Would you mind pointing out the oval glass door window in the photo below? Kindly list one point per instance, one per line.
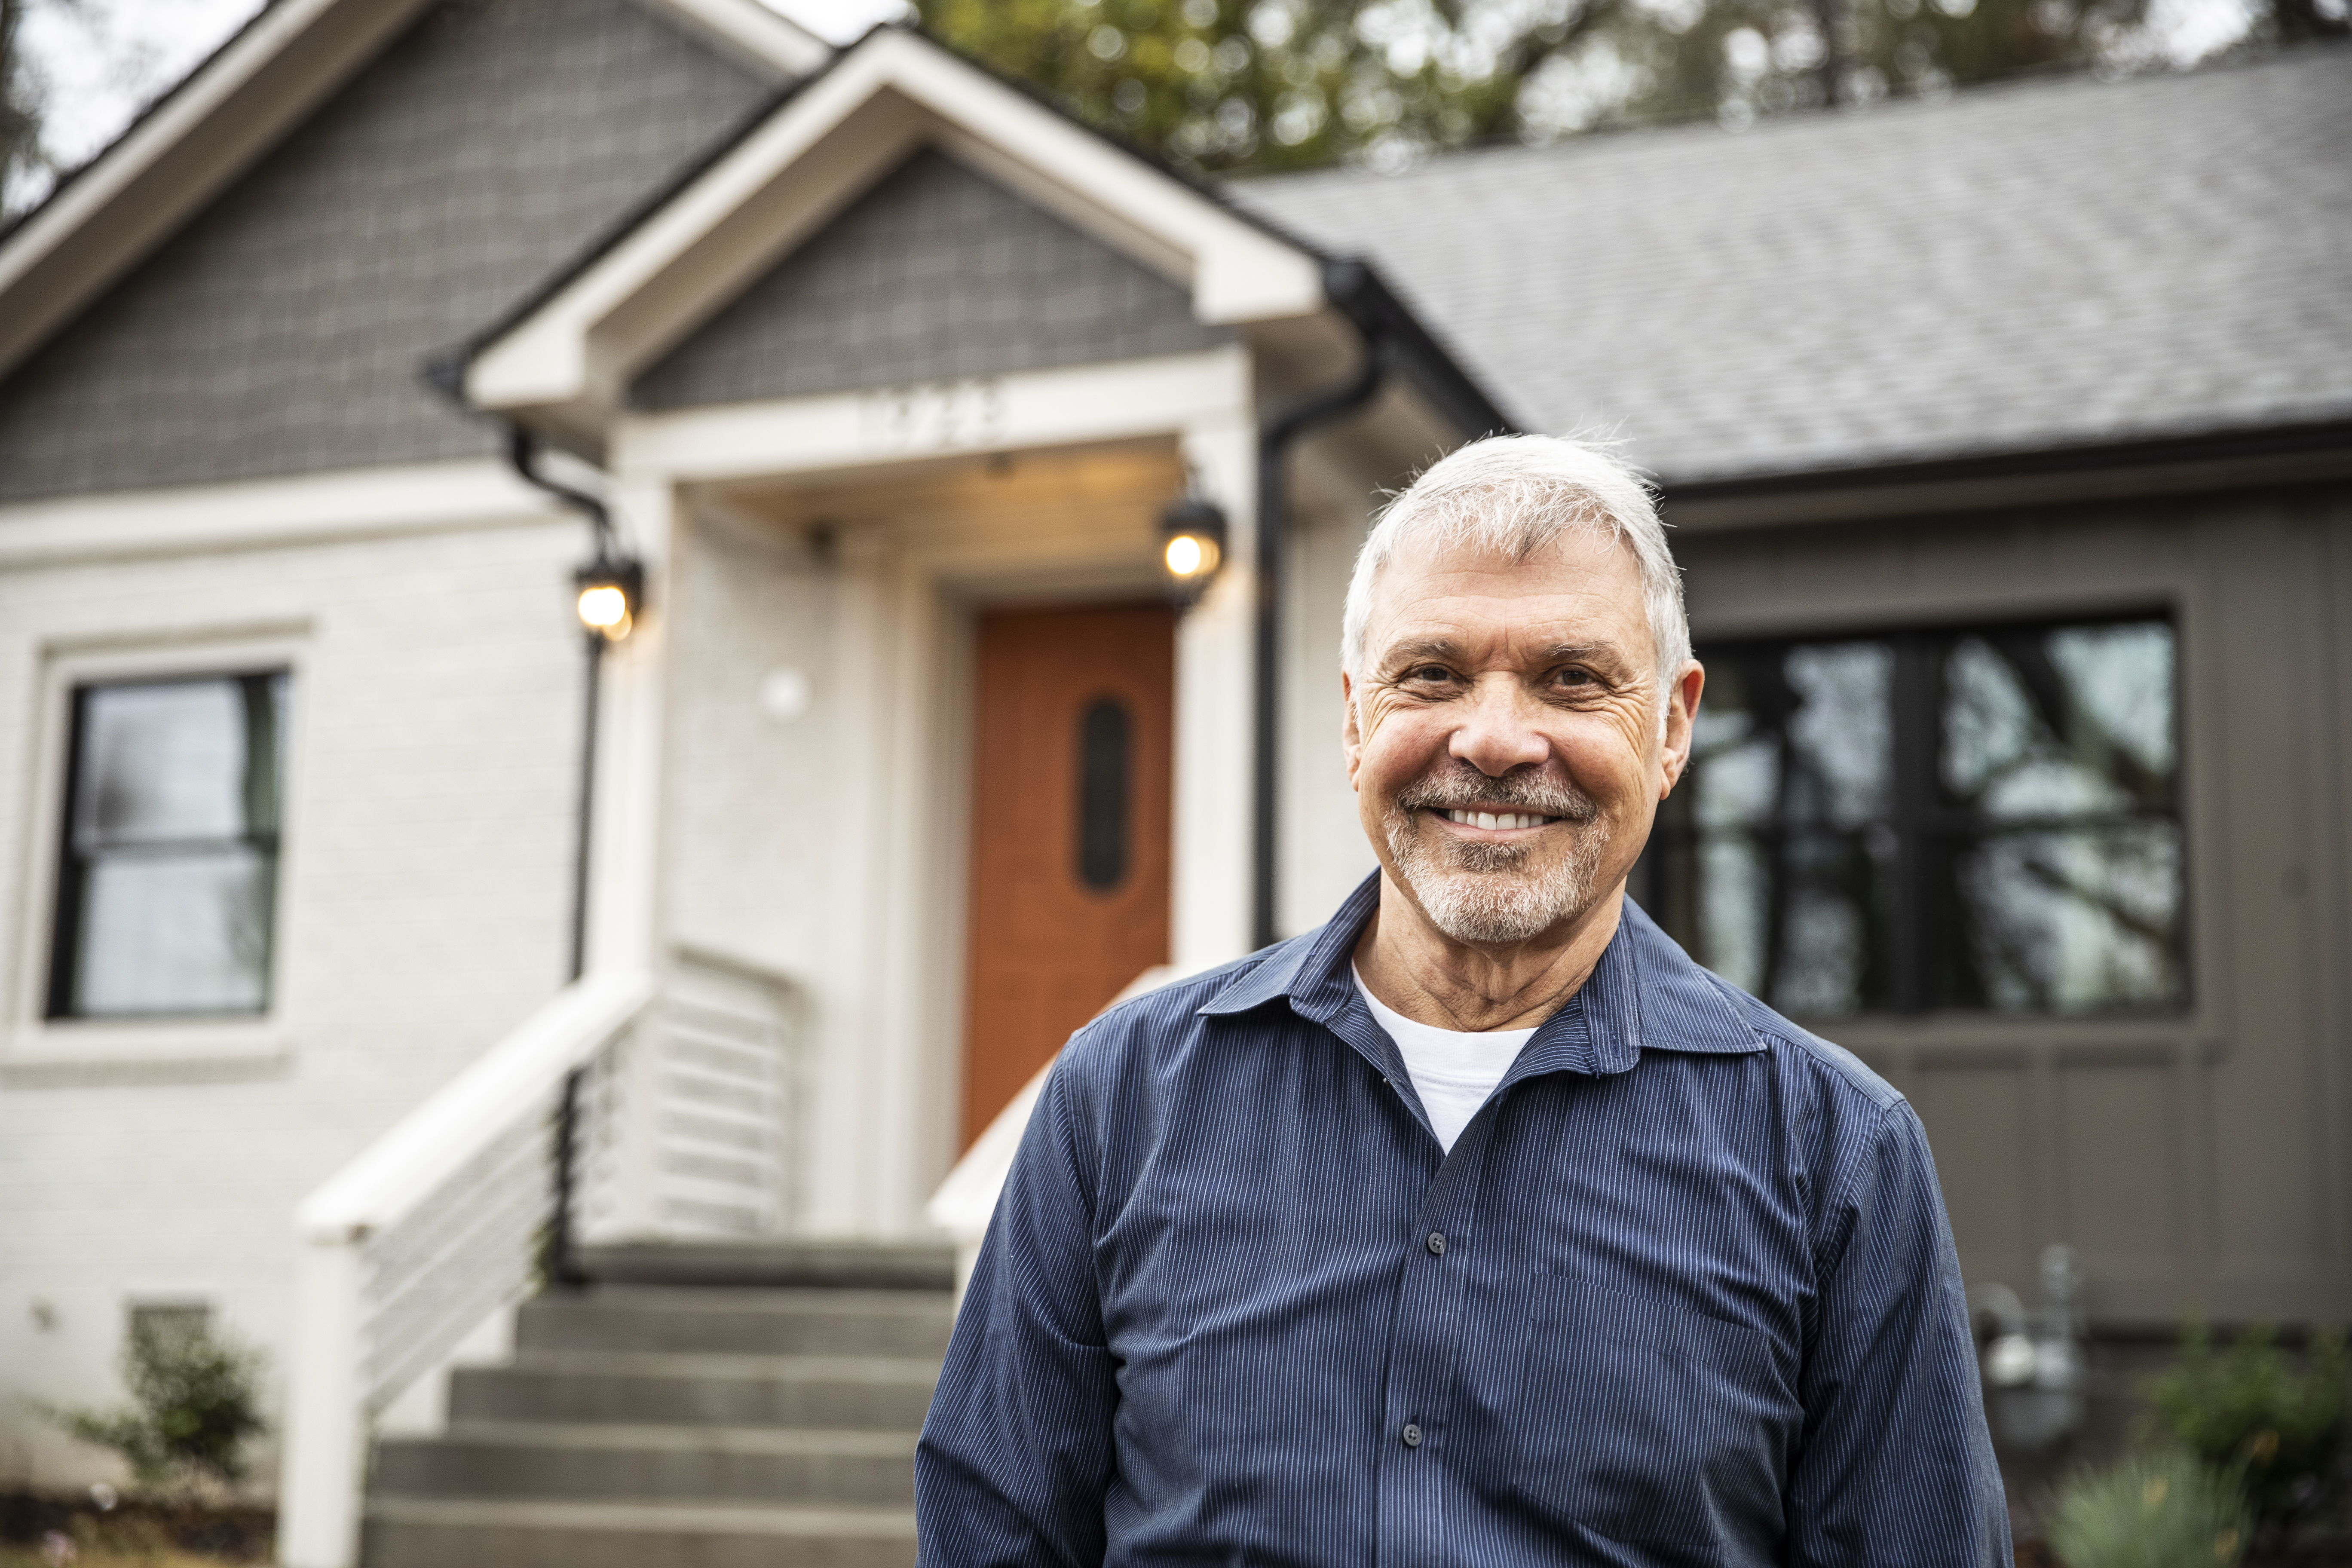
(1106, 771)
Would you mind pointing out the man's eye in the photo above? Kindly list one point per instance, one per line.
(1574, 677)
(1429, 672)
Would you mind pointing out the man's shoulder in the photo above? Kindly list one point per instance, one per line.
(1166, 1016)
(1824, 1059)
(1831, 1066)
(1823, 1063)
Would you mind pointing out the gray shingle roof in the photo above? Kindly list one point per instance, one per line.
(2020, 267)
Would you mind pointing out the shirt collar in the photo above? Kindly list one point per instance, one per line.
(1645, 994)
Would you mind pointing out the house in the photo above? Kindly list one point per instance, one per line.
(340, 862)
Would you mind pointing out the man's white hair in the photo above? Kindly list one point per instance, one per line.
(1512, 495)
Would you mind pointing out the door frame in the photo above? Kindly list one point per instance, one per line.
(884, 1063)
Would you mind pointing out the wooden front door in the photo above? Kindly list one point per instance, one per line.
(1069, 831)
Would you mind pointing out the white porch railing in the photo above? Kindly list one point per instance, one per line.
(679, 1129)
(966, 1201)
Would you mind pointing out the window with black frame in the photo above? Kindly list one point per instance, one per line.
(1982, 818)
(167, 871)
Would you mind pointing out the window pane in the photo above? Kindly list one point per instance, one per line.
(1842, 746)
(167, 884)
(1982, 818)
(182, 932)
(161, 762)
(2075, 922)
(1791, 768)
(2065, 872)
(1105, 734)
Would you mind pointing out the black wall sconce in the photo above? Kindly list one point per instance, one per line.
(611, 592)
(1191, 546)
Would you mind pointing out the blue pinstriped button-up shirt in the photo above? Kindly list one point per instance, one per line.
(1695, 1300)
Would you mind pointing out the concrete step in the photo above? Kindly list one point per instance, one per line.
(652, 1463)
(407, 1533)
(640, 1388)
(825, 1265)
(738, 1322)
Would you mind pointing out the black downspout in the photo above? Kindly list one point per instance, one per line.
(559, 1258)
(522, 452)
(1273, 439)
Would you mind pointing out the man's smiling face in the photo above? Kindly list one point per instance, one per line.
(1503, 734)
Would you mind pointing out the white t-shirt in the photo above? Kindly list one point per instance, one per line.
(1452, 1071)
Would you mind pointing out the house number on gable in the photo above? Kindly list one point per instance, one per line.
(935, 415)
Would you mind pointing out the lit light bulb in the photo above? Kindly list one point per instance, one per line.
(605, 608)
(1184, 556)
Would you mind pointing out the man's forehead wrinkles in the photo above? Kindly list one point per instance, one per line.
(1525, 644)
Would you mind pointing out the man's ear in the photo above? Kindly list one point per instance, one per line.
(1351, 740)
(1682, 716)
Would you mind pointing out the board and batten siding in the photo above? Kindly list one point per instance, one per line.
(2201, 1161)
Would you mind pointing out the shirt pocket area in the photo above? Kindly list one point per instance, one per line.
(1648, 1424)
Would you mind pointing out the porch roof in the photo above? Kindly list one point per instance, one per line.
(546, 356)
(2016, 269)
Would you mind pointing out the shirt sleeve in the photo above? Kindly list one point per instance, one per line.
(1896, 1466)
(1016, 1452)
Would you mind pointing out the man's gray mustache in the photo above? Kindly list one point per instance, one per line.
(1470, 790)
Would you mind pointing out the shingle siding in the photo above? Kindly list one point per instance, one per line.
(934, 273)
(283, 332)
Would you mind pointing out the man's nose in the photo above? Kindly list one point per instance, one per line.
(1499, 729)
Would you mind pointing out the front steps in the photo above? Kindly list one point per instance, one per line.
(694, 1407)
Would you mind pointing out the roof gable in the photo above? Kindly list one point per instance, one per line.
(281, 331)
(197, 140)
(934, 273)
(569, 355)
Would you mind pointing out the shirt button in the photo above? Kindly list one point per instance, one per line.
(1436, 1243)
(1412, 1436)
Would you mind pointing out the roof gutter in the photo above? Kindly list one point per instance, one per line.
(1394, 342)
(2312, 452)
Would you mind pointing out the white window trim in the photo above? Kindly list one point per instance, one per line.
(35, 1041)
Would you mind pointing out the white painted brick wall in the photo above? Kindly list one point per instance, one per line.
(748, 858)
(436, 747)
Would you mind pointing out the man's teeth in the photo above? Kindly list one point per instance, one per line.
(1495, 819)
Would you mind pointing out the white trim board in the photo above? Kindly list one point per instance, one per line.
(103, 1047)
(572, 356)
(765, 42)
(887, 426)
(260, 514)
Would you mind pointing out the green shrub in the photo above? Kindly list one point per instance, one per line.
(195, 1405)
(2163, 1511)
(2251, 1410)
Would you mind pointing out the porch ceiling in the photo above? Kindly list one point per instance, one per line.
(1032, 526)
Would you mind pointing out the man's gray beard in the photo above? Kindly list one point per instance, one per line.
(1486, 894)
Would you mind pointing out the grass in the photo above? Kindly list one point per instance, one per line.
(118, 1542)
(101, 1557)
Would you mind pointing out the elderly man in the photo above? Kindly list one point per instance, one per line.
(1480, 1225)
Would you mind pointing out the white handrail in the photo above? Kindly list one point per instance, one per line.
(432, 1143)
(966, 1201)
(485, 1126)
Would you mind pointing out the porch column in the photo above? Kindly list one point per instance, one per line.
(1215, 665)
(625, 870)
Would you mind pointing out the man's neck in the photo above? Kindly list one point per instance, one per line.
(1432, 979)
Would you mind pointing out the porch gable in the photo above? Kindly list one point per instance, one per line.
(936, 272)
